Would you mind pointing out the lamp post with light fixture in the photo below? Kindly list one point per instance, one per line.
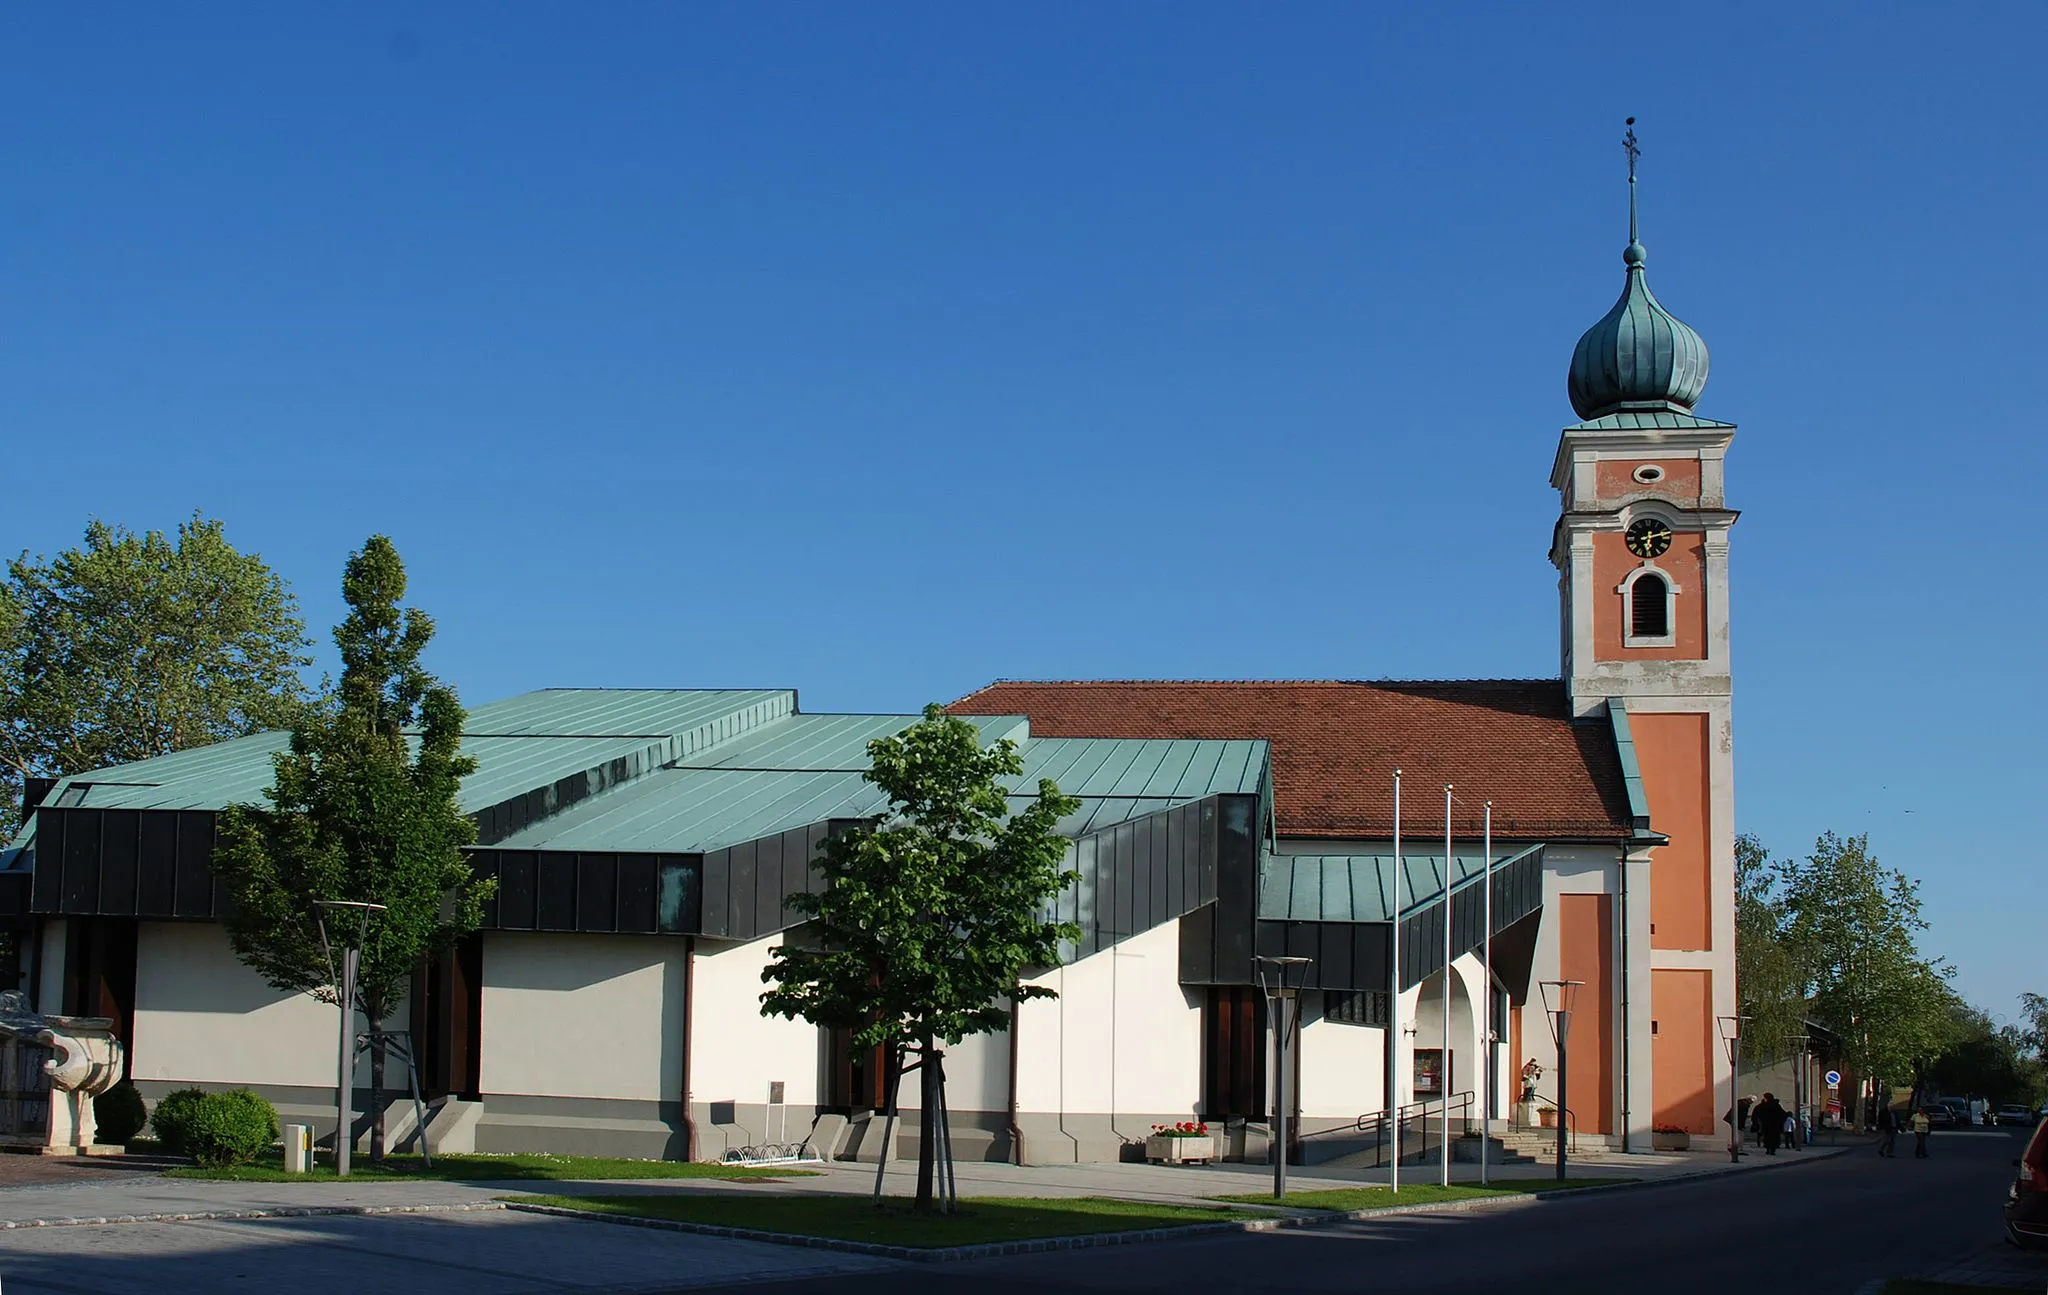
(1559, 996)
(1731, 1035)
(1280, 979)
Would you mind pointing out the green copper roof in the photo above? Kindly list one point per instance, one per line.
(1359, 887)
(1650, 420)
(521, 744)
(807, 769)
(685, 771)
(1639, 356)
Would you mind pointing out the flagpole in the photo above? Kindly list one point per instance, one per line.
(1492, 1044)
(1393, 1093)
(1443, 1064)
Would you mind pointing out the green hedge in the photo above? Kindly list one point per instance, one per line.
(216, 1129)
(120, 1114)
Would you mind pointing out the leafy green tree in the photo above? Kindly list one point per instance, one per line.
(363, 808)
(932, 914)
(132, 646)
(1767, 972)
(1854, 927)
(1982, 1060)
(2034, 1008)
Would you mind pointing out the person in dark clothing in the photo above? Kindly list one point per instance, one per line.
(1887, 1132)
(1770, 1118)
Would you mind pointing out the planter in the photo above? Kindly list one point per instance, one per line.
(1547, 1118)
(1161, 1150)
(1671, 1141)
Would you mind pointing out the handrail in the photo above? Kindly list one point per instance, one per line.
(1376, 1122)
(1571, 1123)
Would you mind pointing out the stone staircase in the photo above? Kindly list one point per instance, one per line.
(1533, 1144)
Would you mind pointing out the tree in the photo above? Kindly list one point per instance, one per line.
(129, 647)
(1853, 926)
(2035, 1032)
(931, 915)
(363, 808)
(1983, 1060)
(1767, 972)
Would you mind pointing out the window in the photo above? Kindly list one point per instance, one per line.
(1648, 599)
(1649, 612)
(1355, 1007)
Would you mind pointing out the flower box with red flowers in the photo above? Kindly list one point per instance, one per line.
(1670, 1137)
(1188, 1142)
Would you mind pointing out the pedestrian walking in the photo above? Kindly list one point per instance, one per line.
(1770, 1119)
(1920, 1127)
(1791, 1132)
(1887, 1132)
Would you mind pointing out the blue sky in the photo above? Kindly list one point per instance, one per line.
(882, 350)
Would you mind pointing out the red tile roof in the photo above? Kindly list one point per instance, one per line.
(1336, 745)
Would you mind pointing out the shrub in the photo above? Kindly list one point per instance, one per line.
(120, 1113)
(172, 1119)
(231, 1128)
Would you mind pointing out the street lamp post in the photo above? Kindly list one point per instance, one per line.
(1558, 998)
(1280, 979)
(1731, 1034)
(344, 979)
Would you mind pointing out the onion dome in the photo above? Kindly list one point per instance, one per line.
(1639, 356)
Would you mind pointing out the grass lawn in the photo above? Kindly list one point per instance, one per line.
(1374, 1198)
(1900, 1286)
(270, 1169)
(854, 1218)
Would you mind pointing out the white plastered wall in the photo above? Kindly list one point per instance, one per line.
(202, 1017)
(582, 1015)
(1123, 1038)
(1343, 1066)
(735, 1052)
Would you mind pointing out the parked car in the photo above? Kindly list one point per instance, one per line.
(1960, 1107)
(1939, 1116)
(2026, 1201)
(2015, 1117)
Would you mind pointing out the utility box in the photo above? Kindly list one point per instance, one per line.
(298, 1148)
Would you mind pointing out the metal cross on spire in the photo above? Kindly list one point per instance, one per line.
(1629, 146)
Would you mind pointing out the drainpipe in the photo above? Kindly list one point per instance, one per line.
(1015, 1131)
(1627, 1041)
(689, 1026)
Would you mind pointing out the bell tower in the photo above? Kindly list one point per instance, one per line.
(1641, 548)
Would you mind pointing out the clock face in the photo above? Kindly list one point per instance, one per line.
(1649, 538)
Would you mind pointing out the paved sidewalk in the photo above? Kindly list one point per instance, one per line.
(131, 1195)
(2002, 1265)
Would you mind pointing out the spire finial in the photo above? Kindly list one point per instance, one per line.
(1634, 255)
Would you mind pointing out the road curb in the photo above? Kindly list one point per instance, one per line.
(273, 1212)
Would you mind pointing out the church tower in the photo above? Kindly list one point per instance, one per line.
(1641, 548)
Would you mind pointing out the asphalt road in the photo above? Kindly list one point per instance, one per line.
(1815, 1229)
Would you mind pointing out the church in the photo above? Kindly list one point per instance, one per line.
(1442, 854)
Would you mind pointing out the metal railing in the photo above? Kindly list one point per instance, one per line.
(1571, 1124)
(1459, 1107)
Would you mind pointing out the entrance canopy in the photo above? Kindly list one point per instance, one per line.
(1338, 911)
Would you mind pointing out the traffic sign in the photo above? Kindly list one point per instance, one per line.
(1834, 1078)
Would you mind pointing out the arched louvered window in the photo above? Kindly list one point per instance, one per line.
(1649, 607)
